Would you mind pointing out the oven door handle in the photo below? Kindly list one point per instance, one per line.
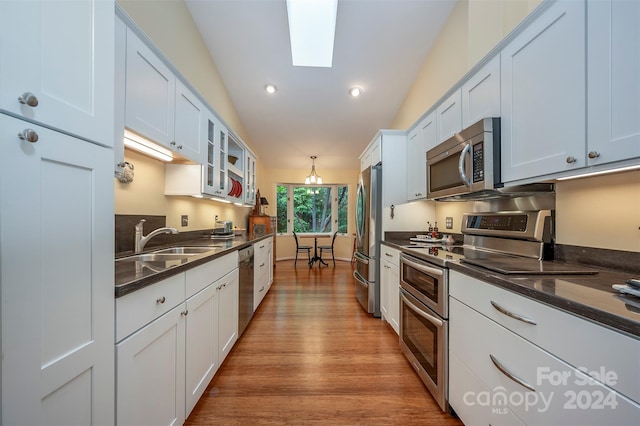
(361, 258)
(435, 321)
(421, 267)
(360, 279)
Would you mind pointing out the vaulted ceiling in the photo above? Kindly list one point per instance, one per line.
(380, 46)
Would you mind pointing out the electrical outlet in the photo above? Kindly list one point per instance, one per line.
(185, 220)
(449, 222)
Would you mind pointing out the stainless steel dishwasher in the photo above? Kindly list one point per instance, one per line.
(245, 310)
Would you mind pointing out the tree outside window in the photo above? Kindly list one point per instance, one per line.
(317, 209)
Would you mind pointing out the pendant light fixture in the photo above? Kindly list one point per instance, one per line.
(313, 178)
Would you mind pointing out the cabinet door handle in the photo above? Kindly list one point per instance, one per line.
(161, 300)
(593, 154)
(28, 98)
(28, 135)
(509, 374)
(184, 313)
(261, 265)
(512, 315)
(261, 289)
(571, 159)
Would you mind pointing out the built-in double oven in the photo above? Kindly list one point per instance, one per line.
(423, 322)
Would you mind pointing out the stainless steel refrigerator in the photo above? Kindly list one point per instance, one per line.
(368, 230)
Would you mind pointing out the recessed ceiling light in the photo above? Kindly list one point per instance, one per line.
(355, 91)
(312, 30)
(270, 88)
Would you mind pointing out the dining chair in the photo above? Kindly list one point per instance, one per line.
(301, 249)
(330, 248)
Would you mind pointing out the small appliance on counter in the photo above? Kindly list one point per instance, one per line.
(223, 230)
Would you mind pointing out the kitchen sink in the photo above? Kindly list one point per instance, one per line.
(186, 250)
(155, 257)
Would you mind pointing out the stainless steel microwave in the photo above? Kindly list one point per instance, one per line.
(466, 163)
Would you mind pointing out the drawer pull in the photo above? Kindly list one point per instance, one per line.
(161, 299)
(509, 374)
(511, 314)
(184, 313)
(387, 254)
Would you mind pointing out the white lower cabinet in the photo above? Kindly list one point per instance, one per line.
(263, 270)
(202, 352)
(228, 295)
(390, 287)
(172, 347)
(150, 373)
(503, 371)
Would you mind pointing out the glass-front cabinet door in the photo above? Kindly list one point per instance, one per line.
(215, 168)
(250, 179)
(221, 177)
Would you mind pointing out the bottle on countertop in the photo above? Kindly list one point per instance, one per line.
(434, 231)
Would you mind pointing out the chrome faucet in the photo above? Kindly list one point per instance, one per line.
(142, 240)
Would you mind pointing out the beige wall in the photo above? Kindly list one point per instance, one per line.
(145, 195)
(601, 211)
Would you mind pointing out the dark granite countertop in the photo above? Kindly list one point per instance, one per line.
(587, 296)
(132, 276)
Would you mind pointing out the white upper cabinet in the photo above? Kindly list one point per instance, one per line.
(449, 116)
(613, 109)
(543, 95)
(420, 140)
(481, 94)
(58, 65)
(416, 183)
(190, 125)
(150, 93)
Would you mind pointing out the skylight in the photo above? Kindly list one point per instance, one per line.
(312, 28)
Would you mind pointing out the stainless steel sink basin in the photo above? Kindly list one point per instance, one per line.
(186, 250)
(155, 257)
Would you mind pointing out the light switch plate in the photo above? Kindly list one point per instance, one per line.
(185, 220)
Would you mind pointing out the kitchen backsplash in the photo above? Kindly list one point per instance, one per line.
(125, 232)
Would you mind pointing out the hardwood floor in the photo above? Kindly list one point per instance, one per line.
(312, 356)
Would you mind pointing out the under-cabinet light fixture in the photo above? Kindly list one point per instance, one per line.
(312, 29)
(603, 172)
(140, 144)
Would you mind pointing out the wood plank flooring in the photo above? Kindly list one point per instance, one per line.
(312, 356)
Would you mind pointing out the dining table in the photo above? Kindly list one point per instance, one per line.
(315, 258)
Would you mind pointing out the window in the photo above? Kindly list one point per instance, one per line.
(312, 209)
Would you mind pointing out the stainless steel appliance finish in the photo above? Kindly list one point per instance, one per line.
(426, 282)
(245, 309)
(424, 290)
(507, 241)
(468, 162)
(368, 235)
(223, 227)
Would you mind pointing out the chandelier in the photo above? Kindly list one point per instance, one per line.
(313, 178)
